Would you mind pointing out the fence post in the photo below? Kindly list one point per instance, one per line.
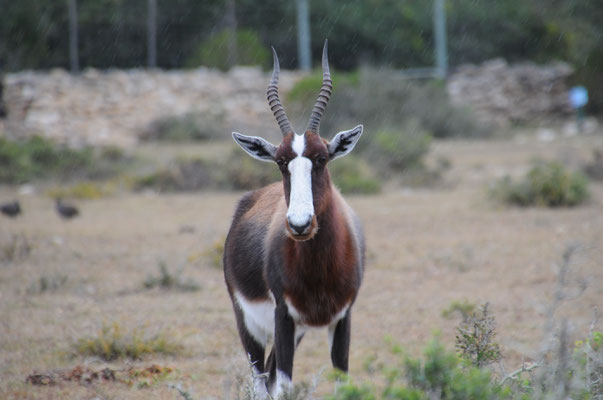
(73, 38)
(152, 33)
(303, 36)
(439, 23)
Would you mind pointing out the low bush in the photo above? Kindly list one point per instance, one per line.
(399, 150)
(305, 90)
(86, 190)
(187, 127)
(475, 338)
(47, 284)
(463, 308)
(352, 174)
(241, 172)
(14, 248)
(181, 175)
(237, 172)
(440, 374)
(39, 158)
(170, 280)
(381, 99)
(112, 343)
(547, 184)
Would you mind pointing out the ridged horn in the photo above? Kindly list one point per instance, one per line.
(324, 95)
(274, 102)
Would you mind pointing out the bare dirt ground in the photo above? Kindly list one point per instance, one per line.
(427, 248)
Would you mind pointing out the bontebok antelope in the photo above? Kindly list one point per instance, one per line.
(294, 255)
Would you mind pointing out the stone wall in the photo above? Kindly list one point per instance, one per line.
(501, 93)
(115, 107)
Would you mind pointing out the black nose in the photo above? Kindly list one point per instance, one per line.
(300, 229)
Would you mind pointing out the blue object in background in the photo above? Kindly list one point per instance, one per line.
(578, 96)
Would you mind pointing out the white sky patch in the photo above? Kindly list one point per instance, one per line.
(301, 203)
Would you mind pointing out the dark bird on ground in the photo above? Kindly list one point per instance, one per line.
(66, 211)
(11, 209)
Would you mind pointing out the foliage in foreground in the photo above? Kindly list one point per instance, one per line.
(547, 184)
(112, 343)
(439, 374)
(475, 339)
(442, 374)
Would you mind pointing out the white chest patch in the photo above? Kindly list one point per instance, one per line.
(301, 203)
(259, 317)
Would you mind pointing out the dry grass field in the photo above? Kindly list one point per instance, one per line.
(427, 248)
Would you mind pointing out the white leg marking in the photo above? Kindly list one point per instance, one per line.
(334, 323)
(331, 333)
(259, 385)
(282, 385)
(259, 318)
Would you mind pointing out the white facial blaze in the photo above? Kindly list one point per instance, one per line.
(301, 204)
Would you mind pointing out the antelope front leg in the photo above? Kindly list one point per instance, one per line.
(284, 345)
(339, 340)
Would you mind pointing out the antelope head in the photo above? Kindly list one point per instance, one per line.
(302, 158)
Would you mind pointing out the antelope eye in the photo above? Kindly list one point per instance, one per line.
(320, 160)
(281, 162)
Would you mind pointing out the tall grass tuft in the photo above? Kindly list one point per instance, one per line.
(111, 343)
(547, 184)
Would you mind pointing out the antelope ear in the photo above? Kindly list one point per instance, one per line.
(255, 146)
(344, 142)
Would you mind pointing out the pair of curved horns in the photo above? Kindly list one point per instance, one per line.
(321, 103)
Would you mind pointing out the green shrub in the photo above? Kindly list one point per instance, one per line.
(47, 284)
(186, 128)
(547, 184)
(439, 374)
(464, 308)
(237, 171)
(169, 280)
(398, 150)
(83, 190)
(183, 174)
(305, 90)
(474, 339)
(381, 100)
(351, 174)
(588, 358)
(214, 51)
(111, 344)
(241, 172)
(15, 247)
(38, 158)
